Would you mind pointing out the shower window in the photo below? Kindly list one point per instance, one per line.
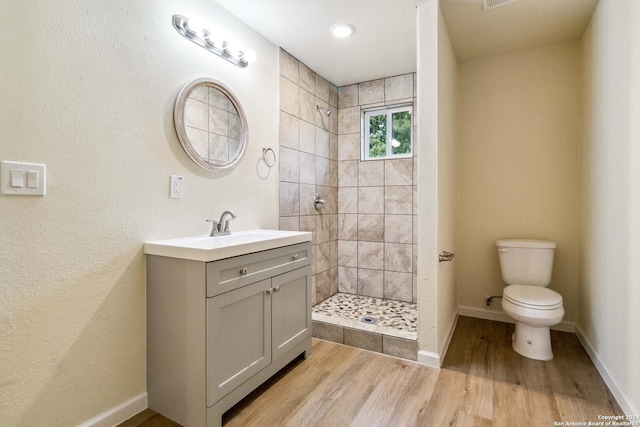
(387, 132)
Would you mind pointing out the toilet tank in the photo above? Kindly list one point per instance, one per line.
(526, 262)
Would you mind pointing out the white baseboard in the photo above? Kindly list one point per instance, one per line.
(119, 413)
(444, 344)
(434, 359)
(500, 316)
(626, 405)
(430, 359)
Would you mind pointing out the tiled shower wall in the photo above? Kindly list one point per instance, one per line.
(363, 238)
(376, 200)
(309, 166)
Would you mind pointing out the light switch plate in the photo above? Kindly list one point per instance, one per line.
(176, 187)
(34, 179)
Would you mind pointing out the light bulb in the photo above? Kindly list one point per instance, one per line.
(249, 55)
(215, 40)
(195, 25)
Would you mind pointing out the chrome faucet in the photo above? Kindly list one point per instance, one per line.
(217, 229)
(226, 229)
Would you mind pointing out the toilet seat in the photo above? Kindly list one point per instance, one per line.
(532, 297)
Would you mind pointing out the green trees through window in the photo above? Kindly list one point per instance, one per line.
(401, 135)
(387, 132)
(378, 136)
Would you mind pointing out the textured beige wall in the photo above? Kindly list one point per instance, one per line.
(88, 89)
(427, 152)
(447, 182)
(436, 191)
(609, 319)
(519, 166)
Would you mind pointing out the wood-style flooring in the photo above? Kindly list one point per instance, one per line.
(483, 382)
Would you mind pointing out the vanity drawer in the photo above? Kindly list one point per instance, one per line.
(232, 273)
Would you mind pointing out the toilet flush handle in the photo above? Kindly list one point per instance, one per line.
(503, 250)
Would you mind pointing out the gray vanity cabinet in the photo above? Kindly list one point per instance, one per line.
(218, 330)
(249, 326)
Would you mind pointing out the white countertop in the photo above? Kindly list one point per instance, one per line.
(206, 248)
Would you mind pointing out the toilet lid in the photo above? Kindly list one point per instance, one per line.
(536, 297)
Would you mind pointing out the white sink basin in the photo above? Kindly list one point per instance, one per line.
(206, 248)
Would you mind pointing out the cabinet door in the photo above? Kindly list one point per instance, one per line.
(238, 338)
(291, 309)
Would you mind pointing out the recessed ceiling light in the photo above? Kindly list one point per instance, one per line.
(342, 30)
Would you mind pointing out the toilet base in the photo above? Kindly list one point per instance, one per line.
(532, 342)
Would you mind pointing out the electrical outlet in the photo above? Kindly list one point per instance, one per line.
(176, 187)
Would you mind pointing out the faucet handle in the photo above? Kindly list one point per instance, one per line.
(216, 226)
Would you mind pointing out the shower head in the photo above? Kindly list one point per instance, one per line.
(324, 110)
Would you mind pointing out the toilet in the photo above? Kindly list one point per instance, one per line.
(526, 269)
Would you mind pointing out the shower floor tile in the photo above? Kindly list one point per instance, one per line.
(382, 316)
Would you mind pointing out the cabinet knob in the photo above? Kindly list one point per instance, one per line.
(294, 257)
(270, 291)
(244, 271)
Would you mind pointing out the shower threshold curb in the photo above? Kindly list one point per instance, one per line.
(362, 326)
(359, 334)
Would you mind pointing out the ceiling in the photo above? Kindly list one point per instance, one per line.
(521, 25)
(384, 43)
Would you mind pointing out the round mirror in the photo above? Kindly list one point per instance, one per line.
(211, 124)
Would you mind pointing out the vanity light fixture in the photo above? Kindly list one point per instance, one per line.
(205, 39)
(342, 30)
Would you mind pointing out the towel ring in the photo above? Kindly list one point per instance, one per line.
(266, 150)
